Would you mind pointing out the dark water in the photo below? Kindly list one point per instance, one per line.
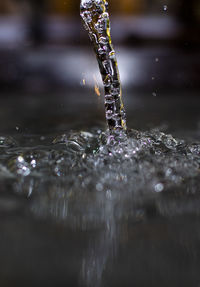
(78, 210)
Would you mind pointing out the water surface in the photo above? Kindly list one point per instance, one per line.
(80, 210)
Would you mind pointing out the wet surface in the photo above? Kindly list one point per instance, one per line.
(77, 211)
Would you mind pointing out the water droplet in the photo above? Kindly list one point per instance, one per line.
(109, 114)
(97, 91)
(109, 99)
(159, 187)
(108, 194)
(165, 7)
(20, 159)
(6, 142)
(83, 82)
(99, 187)
(33, 163)
(87, 17)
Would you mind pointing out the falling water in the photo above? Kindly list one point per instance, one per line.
(96, 21)
(101, 191)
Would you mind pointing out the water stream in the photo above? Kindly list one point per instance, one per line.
(96, 21)
(104, 186)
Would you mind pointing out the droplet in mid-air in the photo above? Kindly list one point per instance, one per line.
(165, 7)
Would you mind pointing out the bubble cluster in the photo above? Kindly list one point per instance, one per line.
(96, 161)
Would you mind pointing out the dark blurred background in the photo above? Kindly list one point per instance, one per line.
(45, 51)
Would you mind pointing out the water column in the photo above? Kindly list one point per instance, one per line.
(96, 21)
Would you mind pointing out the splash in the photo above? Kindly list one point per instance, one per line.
(96, 21)
(90, 182)
(87, 183)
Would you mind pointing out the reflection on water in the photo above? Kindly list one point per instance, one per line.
(117, 195)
